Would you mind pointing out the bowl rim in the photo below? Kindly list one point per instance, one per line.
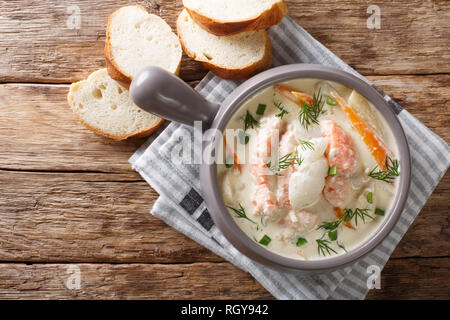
(213, 197)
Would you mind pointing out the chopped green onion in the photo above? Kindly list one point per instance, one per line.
(229, 161)
(265, 240)
(332, 171)
(301, 241)
(379, 212)
(331, 101)
(244, 138)
(261, 109)
(332, 235)
(369, 197)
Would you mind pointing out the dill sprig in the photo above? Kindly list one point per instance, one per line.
(282, 109)
(323, 247)
(332, 225)
(348, 215)
(306, 145)
(331, 228)
(285, 162)
(240, 213)
(310, 112)
(387, 175)
(298, 160)
(250, 121)
(357, 213)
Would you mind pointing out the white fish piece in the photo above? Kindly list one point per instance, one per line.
(319, 146)
(318, 168)
(306, 185)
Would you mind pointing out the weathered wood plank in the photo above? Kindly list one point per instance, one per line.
(413, 38)
(401, 279)
(40, 132)
(414, 279)
(36, 44)
(430, 232)
(91, 217)
(130, 281)
(86, 217)
(427, 98)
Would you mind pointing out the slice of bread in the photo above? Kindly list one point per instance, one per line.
(136, 39)
(233, 16)
(105, 107)
(231, 57)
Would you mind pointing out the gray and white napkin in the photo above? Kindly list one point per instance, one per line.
(181, 205)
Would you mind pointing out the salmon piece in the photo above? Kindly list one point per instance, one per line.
(337, 190)
(264, 199)
(341, 151)
(288, 145)
(300, 221)
(375, 145)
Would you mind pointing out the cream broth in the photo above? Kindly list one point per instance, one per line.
(282, 201)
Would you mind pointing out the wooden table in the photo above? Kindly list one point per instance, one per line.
(69, 197)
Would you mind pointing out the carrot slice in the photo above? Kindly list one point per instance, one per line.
(372, 141)
(294, 96)
(303, 96)
(236, 161)
(340, 214)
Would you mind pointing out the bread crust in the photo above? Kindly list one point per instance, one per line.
(111, 66)
(113, 69)
(233, 74)
(264, 20)
(135, 134)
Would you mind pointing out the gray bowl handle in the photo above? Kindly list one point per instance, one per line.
(160, 92)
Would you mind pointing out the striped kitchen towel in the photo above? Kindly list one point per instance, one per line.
(181, 205)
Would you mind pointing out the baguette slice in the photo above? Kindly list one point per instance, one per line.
(231, 57)
(105, 107)
(136, 39)
(233, 16)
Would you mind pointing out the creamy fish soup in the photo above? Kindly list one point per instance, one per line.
(309, 169)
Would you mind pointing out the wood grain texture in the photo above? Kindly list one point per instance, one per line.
(399, 280)
(414, 279)
(130, 281)
(89, 217)
(38, 44)
(40, 132)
